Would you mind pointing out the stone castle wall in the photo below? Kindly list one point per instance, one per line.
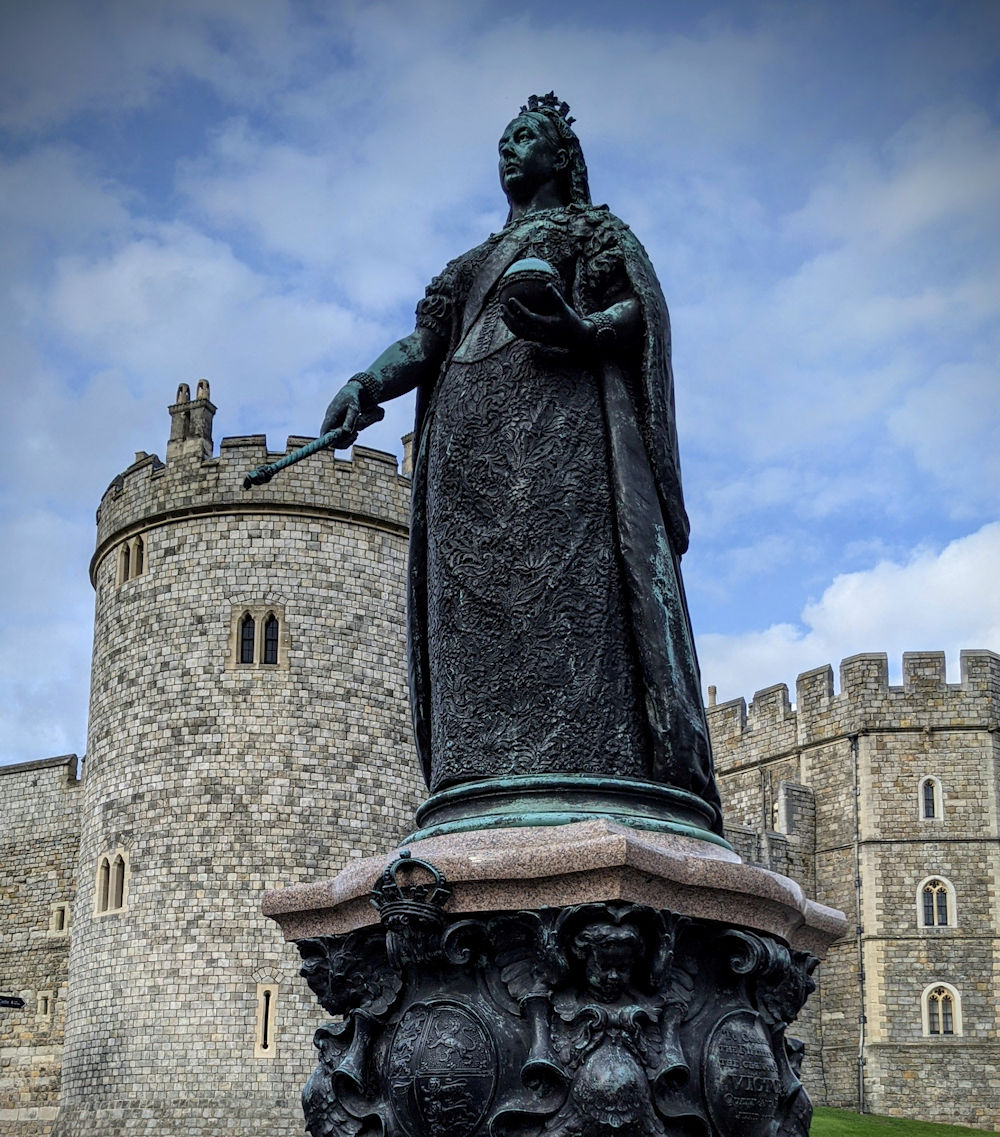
(829, 792)
(38, 844)
(216, 781)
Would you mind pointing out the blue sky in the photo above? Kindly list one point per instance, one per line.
(257, 192)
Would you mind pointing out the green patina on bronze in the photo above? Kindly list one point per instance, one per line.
(550, 799)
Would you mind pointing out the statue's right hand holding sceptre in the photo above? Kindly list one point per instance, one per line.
(400, 368)
(354, 407)
(408, 362)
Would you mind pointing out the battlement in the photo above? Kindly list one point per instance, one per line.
(367, 487)
(866, 701)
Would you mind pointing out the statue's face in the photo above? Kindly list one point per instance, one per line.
(609, 955)
(528, 159)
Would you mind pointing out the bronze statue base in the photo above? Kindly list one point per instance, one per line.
(562, 799)
(580, 980)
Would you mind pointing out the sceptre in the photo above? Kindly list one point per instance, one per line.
(339, 438)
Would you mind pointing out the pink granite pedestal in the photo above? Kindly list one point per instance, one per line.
(557, 866)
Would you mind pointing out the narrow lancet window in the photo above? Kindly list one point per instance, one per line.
(265, 1026)
(271, 639)
(930, 799)
(112, 883)
(267, 1006)
(118, 882)
(247, 638)
(103, 884)
(58, 919)
(140, 556)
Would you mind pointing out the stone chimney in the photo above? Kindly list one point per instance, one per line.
(407, 469)
(191, 423)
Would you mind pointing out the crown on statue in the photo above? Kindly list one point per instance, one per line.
(401, 891)
(549, 104)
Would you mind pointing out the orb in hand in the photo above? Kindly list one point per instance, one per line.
(527, 281)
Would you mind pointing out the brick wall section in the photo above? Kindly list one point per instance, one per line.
(38, 843)
(221, 781)
(829, 793)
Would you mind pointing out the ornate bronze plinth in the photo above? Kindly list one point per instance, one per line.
(606, 1017)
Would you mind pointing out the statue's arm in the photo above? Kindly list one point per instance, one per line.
(407, 364)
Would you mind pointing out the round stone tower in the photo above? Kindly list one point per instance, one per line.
(249, 729)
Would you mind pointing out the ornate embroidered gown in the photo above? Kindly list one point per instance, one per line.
(537, 630)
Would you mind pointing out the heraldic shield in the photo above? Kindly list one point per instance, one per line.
(442, 1070)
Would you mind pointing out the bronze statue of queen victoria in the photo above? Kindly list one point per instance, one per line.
(548, 629)
(554, 680)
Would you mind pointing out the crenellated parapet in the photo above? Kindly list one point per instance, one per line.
(866, 702)
(366, 488)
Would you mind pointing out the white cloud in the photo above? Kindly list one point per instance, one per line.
(865, 369)
(378, 192)
(942, 600)
(60, 58)
(45, 666)
(178, 305)
(367, 237)
(942, 166)
(950, 425)
(55, 194)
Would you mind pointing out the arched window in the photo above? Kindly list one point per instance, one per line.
(936, 903)
(271, 638)
(112, 883)
(123, 565)
(247, 638)
(941, 1010)
(140, 556)
(258, 635)
(931, 800)
(103, 884)
(117, 882)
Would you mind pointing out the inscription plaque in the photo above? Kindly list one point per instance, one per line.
(742, 1085)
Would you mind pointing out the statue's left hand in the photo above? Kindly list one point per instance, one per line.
(563, 327)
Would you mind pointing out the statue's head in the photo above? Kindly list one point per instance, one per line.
(553, 150)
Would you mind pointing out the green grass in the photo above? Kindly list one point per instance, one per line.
(843, 1123)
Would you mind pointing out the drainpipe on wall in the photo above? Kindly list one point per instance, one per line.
(862, 1018)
